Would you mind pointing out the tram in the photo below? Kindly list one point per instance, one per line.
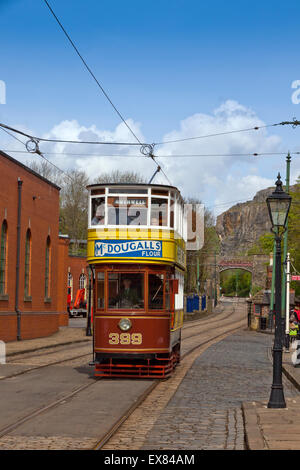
(136, 251)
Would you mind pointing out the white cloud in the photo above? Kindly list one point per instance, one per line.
(214, 180)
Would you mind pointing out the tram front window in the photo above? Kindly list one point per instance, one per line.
(126, 290)
(127, 211)
(156, 291)
(98, 211)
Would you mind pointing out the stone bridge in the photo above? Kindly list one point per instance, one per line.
(255, 264)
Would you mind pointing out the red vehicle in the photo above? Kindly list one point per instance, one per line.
(138, 271)
(79, 308)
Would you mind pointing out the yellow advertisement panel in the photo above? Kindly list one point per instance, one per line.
(128, 246)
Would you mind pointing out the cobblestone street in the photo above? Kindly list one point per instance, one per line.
(205, 412)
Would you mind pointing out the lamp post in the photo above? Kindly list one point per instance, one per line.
(279, 204)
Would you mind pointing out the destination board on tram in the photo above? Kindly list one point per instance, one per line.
(125, 248)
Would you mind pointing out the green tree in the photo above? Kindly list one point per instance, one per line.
(118, 176)
(74, 204)
(264, 245)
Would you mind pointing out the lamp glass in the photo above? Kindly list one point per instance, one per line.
(279, 211)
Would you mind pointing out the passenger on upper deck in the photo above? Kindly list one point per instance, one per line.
(98, 218)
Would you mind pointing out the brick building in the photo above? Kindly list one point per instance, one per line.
(33, 283)
(72, 269)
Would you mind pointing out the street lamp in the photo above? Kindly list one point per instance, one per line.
(279, 204)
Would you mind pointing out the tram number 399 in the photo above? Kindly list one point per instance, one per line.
(125, 338)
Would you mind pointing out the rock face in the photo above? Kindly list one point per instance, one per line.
(241, 225)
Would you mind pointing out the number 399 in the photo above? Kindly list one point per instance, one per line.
(125, 338)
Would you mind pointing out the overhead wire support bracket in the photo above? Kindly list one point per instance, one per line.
(294, 123)
(32, 146)
(147, 151)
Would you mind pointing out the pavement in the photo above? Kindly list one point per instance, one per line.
(206, 413)
(275, 429)
(65, 335)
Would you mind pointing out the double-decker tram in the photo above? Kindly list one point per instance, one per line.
(136, 250)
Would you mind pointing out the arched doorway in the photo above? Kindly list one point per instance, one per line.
(235, 282)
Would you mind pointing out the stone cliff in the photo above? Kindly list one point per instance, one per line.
(241, 225)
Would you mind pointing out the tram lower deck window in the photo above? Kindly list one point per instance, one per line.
(126, 290)
(100, 290)
(156, 291)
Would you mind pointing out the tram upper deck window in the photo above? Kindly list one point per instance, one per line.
(159, 212)
(98, 211)
(126, 290)
(127, 210)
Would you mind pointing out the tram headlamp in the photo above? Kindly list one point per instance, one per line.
(125, 324)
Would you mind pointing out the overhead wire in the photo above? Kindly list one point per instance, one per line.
(90, 71)
(37, 152)
(43, 139)
(216, 134)
(13, 136)
(87, 154)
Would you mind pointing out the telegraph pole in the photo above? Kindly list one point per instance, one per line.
(287, 305)
(285, 241)
(216, 293)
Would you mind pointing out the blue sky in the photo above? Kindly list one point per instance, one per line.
(163, 63)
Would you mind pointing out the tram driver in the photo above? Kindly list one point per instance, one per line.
(128, 296)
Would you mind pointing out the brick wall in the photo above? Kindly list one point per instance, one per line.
(40, 214)
(33, 325)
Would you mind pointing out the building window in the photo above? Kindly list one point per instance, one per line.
(82, 283)
(27, 264)
(257, 309)
(3, 258)
(47, 268)
(70, 286)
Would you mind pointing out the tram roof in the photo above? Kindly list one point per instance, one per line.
(130, 185)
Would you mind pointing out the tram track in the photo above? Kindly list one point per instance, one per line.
(38, 355)
(117, 425)
(22, 360)
(223, 330)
